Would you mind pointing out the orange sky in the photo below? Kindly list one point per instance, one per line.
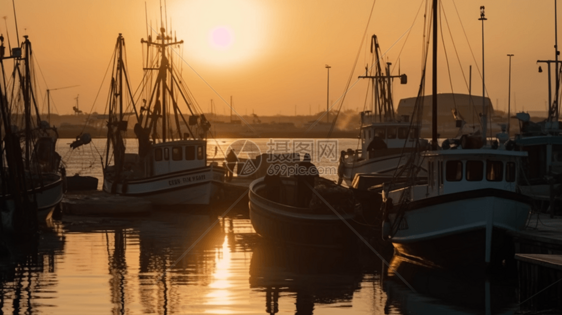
(274, 60)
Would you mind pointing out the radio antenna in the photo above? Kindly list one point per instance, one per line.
(146, 18)
(166, 14)
(16, 21)
(161, 21)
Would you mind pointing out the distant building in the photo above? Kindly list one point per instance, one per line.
(466, 105)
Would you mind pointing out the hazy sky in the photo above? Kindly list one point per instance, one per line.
(270, 55)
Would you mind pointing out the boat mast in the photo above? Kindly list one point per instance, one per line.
(434, 81)
(484, 111)
(161, 89)
(556, 52)
(381, 84)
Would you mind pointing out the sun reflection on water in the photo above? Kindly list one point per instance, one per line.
(220, 294)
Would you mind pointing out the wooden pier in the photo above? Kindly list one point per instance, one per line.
(538, 251)
(540, 282)
(543, 235)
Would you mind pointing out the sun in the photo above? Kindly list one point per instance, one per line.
(221, 37)
(220, 31)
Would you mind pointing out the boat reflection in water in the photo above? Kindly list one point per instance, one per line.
(447, 291)
(309, 275)
(28, 269)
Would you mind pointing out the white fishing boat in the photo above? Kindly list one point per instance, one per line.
(542, 178)
(543, 171)
(470, 201)
(171, 166)
(385, 138)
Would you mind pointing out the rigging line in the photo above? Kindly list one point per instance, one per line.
(215, 91)
(454, 46)
(111, 61)
(343, 94)
(471, 103)
(468, 42)
(40, 72)
(358, 235)
(408, 36)
(353, 68)
(446, 58)
(417, 114)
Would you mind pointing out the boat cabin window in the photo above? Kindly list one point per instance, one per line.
(391, 133)
(474, 171)
(453, 171)
(494, 171)
(510, 172)
(158, 154)
(177, 153)
(402, 132)
(199, 152)
(190, 153)
(380, 132)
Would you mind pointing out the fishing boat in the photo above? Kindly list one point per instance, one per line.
(276, 215)
(542, 179)
(385, 138)
(470, 201)
(32, 176)
(543, 172)
(170, 167)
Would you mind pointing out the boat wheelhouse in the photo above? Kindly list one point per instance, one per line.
(543, 168)
(385, 138)
(470, 193)
(383, 145)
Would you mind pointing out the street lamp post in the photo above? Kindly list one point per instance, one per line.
(509, 95)
(328, 95)
(484, 122)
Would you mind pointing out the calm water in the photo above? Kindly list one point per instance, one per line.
(136, 265)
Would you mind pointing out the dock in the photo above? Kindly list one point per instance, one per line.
(540, 282)
(543, 235)
(538, 251)
(100, 203)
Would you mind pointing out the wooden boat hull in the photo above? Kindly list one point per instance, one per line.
(455, 227)
(295, 225)
(48, 197)
(190, 187)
